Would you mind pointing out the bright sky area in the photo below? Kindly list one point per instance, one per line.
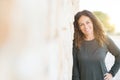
(110, 7)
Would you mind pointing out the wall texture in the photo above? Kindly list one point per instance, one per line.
(36, 39)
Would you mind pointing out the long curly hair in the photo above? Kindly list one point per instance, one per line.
(97, 28)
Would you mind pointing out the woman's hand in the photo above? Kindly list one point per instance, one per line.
(108, 76)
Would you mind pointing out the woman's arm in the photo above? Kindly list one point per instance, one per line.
(75, 71)
(112, 47)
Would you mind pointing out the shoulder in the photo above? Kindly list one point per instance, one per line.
(73, 42)
(109, 39)
(74, 45)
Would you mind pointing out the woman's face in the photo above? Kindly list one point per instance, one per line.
(85, 25)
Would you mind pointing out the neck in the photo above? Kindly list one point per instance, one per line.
(89, 37)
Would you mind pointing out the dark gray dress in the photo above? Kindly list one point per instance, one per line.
(89, 60)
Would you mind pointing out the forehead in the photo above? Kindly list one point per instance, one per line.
(83, 19)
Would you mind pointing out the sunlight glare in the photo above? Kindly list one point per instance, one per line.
(109, 7)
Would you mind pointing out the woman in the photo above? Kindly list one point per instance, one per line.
(90, 46)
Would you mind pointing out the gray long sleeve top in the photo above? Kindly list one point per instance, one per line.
(89, 60)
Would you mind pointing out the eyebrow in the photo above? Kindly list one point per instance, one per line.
(88, 20)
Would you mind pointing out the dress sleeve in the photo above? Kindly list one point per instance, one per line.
(75, 71)
(115, 51)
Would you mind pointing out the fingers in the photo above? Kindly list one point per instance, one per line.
(107, 76)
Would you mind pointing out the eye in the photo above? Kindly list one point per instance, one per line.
(87, 22)
(80, 24)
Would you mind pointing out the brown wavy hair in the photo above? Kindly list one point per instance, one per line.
(97, 28)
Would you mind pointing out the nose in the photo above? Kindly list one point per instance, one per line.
(86, 26)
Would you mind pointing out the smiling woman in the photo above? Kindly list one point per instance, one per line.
(86, 26)
(90, 47)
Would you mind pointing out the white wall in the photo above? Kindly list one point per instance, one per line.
(36, 39)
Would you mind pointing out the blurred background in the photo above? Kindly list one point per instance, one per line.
(36, 36)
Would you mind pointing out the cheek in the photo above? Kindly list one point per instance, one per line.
(92, 28)
(82, 29)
